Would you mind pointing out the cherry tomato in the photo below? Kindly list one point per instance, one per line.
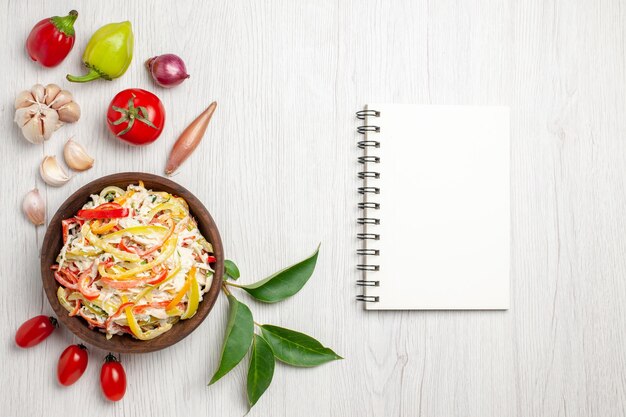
(136, 116)
(112, 378)
(35, 330)
(72, 364)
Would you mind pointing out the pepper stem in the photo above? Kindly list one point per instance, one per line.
(90, 76)
(65, 24)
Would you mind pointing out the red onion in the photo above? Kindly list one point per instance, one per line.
(167, 70)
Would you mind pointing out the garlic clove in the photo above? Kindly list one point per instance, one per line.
(49, 120)
(52, 173)
(24, 99)
(76, 157)
(34, 207)
(52, 90)
(61, 99)
(69, 113)
(29, 120)
(39, 92)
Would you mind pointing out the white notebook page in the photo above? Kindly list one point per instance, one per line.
(444, 207)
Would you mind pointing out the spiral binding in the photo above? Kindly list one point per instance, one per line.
(367, 190)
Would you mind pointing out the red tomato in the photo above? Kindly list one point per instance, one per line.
(113, 378)
(34, 331)
(136, 116)
(52, 39)
(72, 364)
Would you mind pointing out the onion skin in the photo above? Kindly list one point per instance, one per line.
(167, 70)
(189, 140)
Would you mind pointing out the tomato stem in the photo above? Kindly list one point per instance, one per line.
(110, 358)
(81, 346)
(54, 321)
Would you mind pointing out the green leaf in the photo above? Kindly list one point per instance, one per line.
(261, 369)
(238, 338)
(285, 283)
(230, 269)
(295, 348)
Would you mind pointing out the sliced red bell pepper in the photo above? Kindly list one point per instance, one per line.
(60, 277)
(123, 246)
(104, 211)
(85, 289)
(211, 259)
(65, 226)
(126, 284)
(147, 252)
(158, 278)
(92, 322)
(119, 311)
(76, 308)
(160, 304)
(83, 284)
(122, 285)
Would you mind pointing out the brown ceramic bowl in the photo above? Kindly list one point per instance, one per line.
(53, 242)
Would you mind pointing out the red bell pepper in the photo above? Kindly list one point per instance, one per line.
(52, 39)
(104, 211)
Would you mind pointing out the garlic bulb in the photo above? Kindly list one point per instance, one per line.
(76, 157)
(34, 207)
(52, 173)
(42, 110)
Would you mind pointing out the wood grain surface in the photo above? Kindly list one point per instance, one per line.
(277, 170)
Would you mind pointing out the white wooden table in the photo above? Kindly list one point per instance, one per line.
(277, 170)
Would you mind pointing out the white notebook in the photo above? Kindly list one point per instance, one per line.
(434, 214)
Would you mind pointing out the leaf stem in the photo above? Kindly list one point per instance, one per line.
(258, 325)
(232, 284)
(226, 291)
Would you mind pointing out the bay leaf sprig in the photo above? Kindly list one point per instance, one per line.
(280, 285)
(271, 343)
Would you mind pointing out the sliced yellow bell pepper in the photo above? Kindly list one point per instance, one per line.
(137, 230)
(174, 208)
(136, 329)
(167, 250)
(96, 306)
(179, 296)
(111, 189)
(62, 296)
(194, 295)
(99, 243)
(149, 288)
(124, 197)
(101, 228)
(79, 252)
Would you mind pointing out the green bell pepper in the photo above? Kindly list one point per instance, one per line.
(108, 53)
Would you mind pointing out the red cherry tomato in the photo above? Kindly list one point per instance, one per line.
(113, 378)
(52, 39)
(136, 116)
(35, 330)
(72, 364)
